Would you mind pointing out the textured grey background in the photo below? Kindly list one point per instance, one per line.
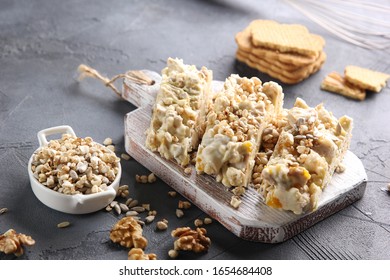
(43, 42)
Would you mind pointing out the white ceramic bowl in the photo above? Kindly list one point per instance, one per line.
(71, 204)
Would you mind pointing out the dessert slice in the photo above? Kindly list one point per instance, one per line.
(178, 118)
(308, 150)
(234, 125)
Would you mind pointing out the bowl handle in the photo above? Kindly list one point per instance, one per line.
(53, 130)
(103, 198)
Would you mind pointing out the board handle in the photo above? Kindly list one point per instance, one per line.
(142, 95)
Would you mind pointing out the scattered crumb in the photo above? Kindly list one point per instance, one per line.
(172, 193)
(207, 221)
(188, 170)
(107, 141)
(125, 156)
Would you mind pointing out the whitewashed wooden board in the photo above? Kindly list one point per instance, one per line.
(253, 220)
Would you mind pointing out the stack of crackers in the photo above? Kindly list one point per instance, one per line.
(287, 52)
(355, 83)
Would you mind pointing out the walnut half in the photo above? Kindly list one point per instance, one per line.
(191, 240)
(12, 242)
(138, 254)
(128, 233)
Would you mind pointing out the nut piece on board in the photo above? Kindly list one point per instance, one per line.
(184, 204)
(138, 254)
(12, 242)
(128, 233)
(235, 201)
(191, 240)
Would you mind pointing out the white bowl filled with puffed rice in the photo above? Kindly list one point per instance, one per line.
(73, 175)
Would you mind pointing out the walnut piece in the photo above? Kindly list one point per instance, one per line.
(191, 240)
(128, 233)
(12, 242)
(138, 254)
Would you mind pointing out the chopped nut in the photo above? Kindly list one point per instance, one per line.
(123, 207)
(235, 201)
(239, 190)
(184, 204)
(131, 213)
(179, 213)
(111, 148)
(63, 224)
(142, 223)
(146, 206)
(198, 222)
(144, 179)
(388, 187)
(128, 233)
(207, 221)
(113, 203)
(172, 193)
(117, 209)
(165, 221)
(128, 201)
(188, 170)
(161, 225)
(149, 219)
(138, 178)
(340, 168)
(152, 213)
(151, 178)
(107, 141)
(191, 240)
(132, 203)
(173, 254)
(125, 156)
(139, 209)
(138, 254)
(3, 210)
(12, 242)
(123, 187)
(123, 191)
(108, 208)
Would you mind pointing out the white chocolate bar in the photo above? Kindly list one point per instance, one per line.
(233, 129)
(309, 149)
(179, 112)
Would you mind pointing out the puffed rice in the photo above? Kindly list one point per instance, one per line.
(73, 165)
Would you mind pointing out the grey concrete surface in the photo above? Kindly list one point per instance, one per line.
(41, 44)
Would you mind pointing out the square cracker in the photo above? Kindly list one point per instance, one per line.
(244, 42)
(293, 74)
(366, 78)
(334, 82)
(279, 74)
(293, 38)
